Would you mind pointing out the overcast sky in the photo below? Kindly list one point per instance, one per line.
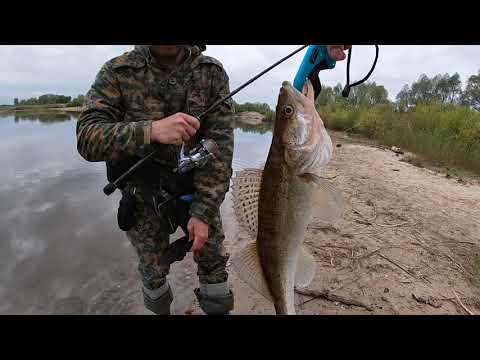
(27, 71)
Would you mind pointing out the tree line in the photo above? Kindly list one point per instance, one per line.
(446, 89)
(436, 118)
(50, 99)
(262, 108)
(443, 89)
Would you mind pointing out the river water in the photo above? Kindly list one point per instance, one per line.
(61, 251)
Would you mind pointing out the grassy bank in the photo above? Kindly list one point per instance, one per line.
(446, 134)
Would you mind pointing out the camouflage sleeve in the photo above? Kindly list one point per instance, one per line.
(212, 181)
(101, 134)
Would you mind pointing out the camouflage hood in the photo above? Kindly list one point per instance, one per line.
(143, 51)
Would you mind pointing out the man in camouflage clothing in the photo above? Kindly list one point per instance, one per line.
(139, 101)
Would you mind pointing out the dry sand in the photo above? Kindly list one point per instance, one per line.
(406, 244)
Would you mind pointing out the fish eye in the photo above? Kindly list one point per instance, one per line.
(288, 110)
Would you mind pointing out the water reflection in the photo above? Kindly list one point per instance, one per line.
(45, 118)
(257, 129)
(60, 248)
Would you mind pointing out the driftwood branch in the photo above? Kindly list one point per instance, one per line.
(368, 220)
(462, 242)
(428, 301)
(324, 228)
(396, 264)
(372, 221)
(329, 178)
(438, 252)
(369, 254)
(456, 263)
(330, 246)
(325, 294)
(395, 225)
(461, 304)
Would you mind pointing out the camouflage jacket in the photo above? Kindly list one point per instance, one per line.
(132, 90)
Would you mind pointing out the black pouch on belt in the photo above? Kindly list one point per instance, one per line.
(126, 210)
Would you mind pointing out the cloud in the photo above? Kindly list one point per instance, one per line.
(27, 71)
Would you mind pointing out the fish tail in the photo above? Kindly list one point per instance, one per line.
(284, 308)
(278, 310)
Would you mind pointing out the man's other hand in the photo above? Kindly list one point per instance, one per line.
(337, 52)
(198, 232)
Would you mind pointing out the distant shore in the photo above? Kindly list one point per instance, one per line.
(39, 108)
(245, 117)
(246, 120)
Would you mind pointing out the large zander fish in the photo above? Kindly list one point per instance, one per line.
(276, 204)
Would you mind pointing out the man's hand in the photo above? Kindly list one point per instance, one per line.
(198, 232)
(337, 52)
(175, 129)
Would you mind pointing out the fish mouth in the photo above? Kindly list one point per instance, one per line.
(288, 88)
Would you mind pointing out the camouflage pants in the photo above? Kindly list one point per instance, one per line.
(150, 238)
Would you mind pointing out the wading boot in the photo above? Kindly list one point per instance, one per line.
(159, 300)
(215, 299)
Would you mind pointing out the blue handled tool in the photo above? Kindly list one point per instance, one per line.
(316, 59)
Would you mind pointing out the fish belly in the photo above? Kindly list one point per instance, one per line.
(280, 247)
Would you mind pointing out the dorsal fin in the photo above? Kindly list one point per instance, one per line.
(245, 193)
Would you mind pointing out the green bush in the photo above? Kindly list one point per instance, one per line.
(449, 133)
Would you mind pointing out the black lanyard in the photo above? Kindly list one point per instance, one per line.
(346, 90)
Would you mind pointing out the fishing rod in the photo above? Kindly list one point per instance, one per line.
(112, 186)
